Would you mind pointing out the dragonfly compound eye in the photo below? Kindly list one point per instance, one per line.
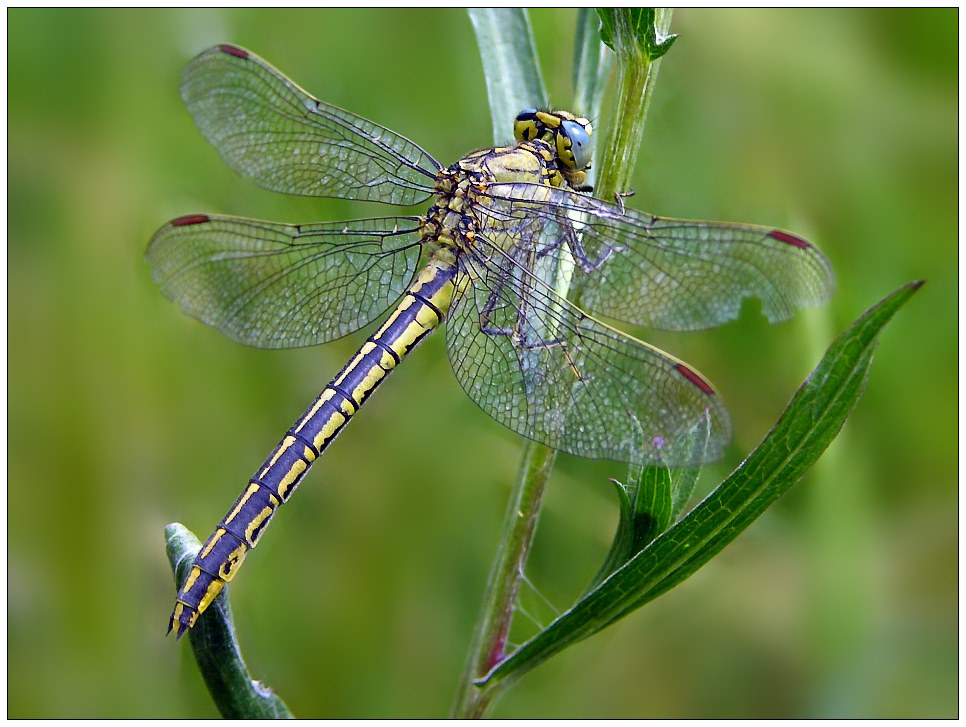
(573, 143)
(527, 126)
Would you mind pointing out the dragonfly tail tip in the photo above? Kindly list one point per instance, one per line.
(179, 624)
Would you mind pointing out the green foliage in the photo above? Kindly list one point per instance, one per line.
(646, 558)
(809, 424)
(592, 66)
(507, 51)
(511, 85)
(649, 503)
(639, 39)
(634, 31)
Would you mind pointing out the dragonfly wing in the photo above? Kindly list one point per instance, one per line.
(666, 273)
(267, 128)
(279, 286)
(546, 370)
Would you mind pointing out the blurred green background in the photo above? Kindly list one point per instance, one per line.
(125, 415)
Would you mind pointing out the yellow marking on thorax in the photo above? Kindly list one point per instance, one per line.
(530, 162)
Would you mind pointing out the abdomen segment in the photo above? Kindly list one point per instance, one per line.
(420, 311)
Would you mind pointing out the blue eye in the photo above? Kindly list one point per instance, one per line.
(581, 149)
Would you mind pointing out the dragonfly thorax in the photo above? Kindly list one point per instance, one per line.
(462, 192)
(446, 224)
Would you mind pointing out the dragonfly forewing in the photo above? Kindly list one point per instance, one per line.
(269, 129)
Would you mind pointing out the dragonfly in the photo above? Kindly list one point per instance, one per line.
(511, 253)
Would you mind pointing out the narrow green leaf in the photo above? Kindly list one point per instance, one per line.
(644, 513)
(622, 548)
(809, 424)
(215, 645)
(509, 55)
(651, 501)
(683, 488)
(683, 480)
(652, 511)
(592, 65)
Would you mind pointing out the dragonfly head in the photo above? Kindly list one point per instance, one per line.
(568, 134)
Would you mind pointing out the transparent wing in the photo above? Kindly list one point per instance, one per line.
(665, 273)
(543, 368)
(267, 128)
(278, 286)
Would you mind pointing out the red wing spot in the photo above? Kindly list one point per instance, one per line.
(789, 239)
(695, 379)
(233, 50)
(189, 220)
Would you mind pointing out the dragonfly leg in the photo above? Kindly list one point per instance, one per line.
(517, 333)
(587, 264)
(619, 198)
(521, 331)
(570, 233)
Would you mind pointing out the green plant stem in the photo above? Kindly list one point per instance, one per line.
(520, 523)
(513, 83)
(636, 77)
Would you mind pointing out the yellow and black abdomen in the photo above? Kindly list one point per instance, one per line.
(421, 310)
